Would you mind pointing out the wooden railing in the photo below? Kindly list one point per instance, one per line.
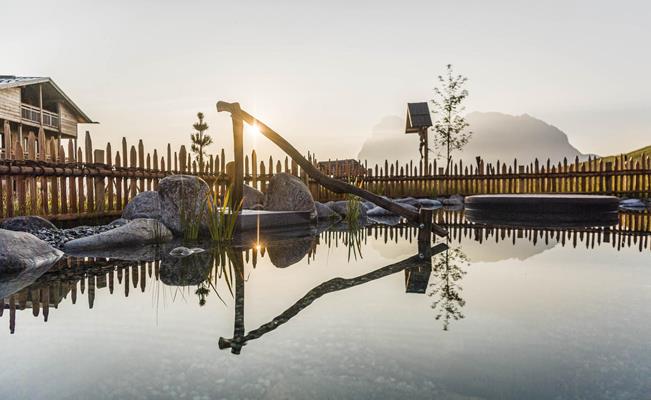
(33, 114)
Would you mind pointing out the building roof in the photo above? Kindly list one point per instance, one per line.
(9, 81)
(418, 117)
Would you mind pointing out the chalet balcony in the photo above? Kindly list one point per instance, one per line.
(33, 114)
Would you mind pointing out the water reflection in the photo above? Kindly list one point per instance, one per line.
(199, 274)
(445, 289)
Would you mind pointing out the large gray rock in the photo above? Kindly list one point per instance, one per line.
(325, 213)
(251, 197)
(30, 224)
(183, 198)
(21, 251)
(288, 193)
(136, 233)
(144, 205)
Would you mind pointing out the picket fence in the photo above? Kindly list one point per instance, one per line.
(43, 177)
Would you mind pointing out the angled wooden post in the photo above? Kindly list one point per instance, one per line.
(238, 149)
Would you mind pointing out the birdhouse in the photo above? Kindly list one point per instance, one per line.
(419, 118)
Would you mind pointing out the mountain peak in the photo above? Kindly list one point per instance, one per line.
(496, 136)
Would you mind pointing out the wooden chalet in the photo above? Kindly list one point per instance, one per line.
(342, 168)
(28, 104)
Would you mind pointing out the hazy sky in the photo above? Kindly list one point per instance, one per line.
(323, 73)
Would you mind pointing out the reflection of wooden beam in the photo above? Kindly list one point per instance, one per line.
(332, 184)
(333, 285)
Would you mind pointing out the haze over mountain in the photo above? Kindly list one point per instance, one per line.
(496, 136)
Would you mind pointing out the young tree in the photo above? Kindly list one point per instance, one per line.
(450, 126)
(200, 140)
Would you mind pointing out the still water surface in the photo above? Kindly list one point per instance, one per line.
(501, 314)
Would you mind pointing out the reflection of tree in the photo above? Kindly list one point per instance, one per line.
(446, 289)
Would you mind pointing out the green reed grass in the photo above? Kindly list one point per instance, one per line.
(222, 218)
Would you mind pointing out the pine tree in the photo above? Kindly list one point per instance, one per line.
(450, 125)
(200, 140)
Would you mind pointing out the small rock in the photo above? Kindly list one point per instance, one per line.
(634, 204)
(341, 208)
(182, 251)
(325, 213)
(118, 222)
(408, 200)
(429, 203)
(454, 200)
(380, 212)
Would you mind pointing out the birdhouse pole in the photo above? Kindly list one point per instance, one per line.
(424, 138)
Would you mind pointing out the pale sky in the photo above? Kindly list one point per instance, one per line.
(324, 73)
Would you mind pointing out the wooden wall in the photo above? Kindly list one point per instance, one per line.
(10, 104)
(68, 121)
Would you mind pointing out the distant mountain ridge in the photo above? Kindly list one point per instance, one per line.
(496, 136)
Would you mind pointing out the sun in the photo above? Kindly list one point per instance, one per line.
(253, 130)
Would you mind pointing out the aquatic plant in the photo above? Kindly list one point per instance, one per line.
(222, 218)
(353, 210)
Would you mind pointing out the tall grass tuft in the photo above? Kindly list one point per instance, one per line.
(354, 210)
(222, 218)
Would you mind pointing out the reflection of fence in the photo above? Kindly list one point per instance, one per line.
(75, 277)
(632, 231)
(40, 176)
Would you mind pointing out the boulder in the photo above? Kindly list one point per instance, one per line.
(183, 198)
(288, 193)
(21, 251)
(30, 224)
(381, 212)
(144, 205)
(325, 213)
(251, 197)
(138, 232)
